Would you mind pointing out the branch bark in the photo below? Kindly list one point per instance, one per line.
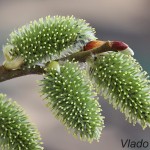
(79, 56)
(10, 74)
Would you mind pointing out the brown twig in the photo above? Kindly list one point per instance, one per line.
(79, 56)
(10, 74)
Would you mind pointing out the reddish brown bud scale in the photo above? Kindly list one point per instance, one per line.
(118, 45)
(93, 44)
(121, 47)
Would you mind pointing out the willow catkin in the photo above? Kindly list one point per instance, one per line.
(16, 132)
(49, 38)
(69, 95)
(122, 81)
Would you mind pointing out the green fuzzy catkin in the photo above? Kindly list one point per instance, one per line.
(69, 95)
(121, 79)
(50, 38)
(16, 133)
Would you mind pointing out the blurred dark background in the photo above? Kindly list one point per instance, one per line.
(127, 20)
